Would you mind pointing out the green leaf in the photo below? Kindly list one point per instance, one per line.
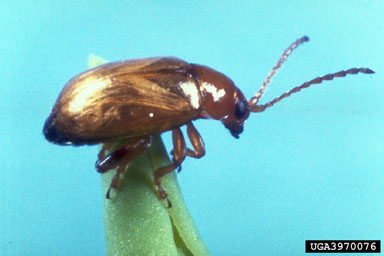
(136, 220)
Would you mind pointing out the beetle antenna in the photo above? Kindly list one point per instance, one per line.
(254, 100)
(318, 80)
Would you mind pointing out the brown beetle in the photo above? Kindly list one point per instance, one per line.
(136, 99)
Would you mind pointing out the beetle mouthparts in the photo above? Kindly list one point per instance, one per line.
(236, 130)
(235, 134)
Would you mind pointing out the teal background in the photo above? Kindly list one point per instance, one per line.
(311, 167)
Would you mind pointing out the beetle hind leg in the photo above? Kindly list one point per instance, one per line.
(120, 158)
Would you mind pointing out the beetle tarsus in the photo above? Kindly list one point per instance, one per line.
(163, 195)
(162, 192)
(115, 180)
(108, 195)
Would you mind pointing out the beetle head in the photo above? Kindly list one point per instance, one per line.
(222, 100)
(237, 114)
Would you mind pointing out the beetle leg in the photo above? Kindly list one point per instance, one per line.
(120, 158)
(196, 141)
(197, 144)
(179, 153)
(106, 146)
(115, 180)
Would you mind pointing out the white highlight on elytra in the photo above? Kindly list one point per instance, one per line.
(151, 114)
(83, 94)
(216, 94)
(190, 90)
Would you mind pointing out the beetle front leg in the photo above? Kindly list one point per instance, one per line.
(197, 144)
(120, 158)
(196, 141)
(179, 153)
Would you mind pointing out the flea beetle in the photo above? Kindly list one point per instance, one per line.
(135, 99)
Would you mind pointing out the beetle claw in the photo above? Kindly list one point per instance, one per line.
(164, 195)
(169, 203)
(108, 195)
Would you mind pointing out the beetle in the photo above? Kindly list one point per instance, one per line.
(135, 99)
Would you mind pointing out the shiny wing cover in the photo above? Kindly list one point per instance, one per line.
(127, 99)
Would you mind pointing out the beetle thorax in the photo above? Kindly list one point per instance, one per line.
(217, 92)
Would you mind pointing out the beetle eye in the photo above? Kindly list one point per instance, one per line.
(240, 110)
